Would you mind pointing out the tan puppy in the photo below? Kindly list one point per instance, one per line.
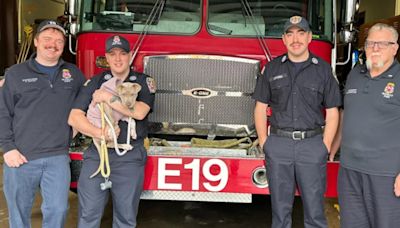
(128, 93)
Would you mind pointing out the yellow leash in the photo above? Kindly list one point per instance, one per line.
(104, 166)
(104, 162)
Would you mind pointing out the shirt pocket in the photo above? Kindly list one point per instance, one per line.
(280, 90)
(68, 92)
(312, 94)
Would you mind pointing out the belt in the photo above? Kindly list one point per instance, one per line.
(296, 135)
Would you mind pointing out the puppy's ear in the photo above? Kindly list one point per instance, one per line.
(136, 87)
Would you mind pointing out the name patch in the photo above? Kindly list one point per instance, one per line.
(29, 80)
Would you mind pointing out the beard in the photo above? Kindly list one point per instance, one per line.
(378, 65)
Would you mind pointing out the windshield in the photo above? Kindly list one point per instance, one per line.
(233, 17)
(163, 16)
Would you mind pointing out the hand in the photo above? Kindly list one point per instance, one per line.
(14, 158)
(332, 155)
(108, 133)
(1, 82)
(262, 142)
(101, 95)
(330, 151)
(397, 186)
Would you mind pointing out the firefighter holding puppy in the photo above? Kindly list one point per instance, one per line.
(125, 182)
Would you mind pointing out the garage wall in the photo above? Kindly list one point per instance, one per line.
(375, 10)
(40, 9)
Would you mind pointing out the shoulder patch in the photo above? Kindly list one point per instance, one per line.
(87, 82)
(151, 83)
(107, 76)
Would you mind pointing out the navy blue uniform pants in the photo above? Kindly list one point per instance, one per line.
(367, 201)
(300, 163)
(127, 185)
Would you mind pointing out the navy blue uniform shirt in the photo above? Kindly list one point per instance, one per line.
(297, 96)
(371, 123)
(34, 110)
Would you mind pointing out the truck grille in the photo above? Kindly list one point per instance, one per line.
(203, 89)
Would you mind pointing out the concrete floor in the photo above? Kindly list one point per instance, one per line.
(173, 214)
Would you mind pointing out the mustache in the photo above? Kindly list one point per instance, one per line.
(52, 47)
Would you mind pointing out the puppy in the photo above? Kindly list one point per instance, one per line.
(128, 93)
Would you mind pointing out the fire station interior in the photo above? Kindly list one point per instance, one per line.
(19, 16)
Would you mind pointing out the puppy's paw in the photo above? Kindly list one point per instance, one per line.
(125, 146)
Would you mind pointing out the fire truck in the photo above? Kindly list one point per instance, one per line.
(205, 56)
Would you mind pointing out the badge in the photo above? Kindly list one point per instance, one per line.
(295, 19)
(133, 78)
(116, 41)
(66, 73)
(151, 83)
(66, 76)
(314, 60)
(389, 90)
(107, 77)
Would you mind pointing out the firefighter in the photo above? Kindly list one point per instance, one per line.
(127, 171)
(297, 86)
(369, 174)
(35, 102)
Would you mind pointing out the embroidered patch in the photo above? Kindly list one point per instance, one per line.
(133, 78)
(107, 77)
(116, 41)
(389, 90)
(66, 75)
(29, 80)
(295, 19)
(351, 91)
(277, 77)
(151, 83)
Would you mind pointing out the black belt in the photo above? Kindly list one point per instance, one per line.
(296, 135)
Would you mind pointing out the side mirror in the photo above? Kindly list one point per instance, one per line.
(347, 35)
(73, 28)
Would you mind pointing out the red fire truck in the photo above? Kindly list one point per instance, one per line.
(205, 56)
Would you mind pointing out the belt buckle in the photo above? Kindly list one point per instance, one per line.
(298, 135)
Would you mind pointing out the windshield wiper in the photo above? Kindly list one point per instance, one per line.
(246, 6)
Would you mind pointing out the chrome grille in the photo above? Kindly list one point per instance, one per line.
(231, 79)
